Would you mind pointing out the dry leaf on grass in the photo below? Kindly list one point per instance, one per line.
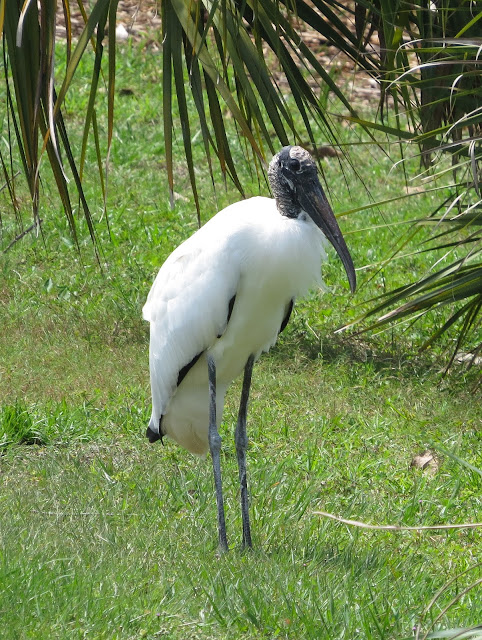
(426, 461)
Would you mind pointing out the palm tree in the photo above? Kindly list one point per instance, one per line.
(231, 54)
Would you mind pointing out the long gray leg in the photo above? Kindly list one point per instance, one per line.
(215, 448)
(241, 440)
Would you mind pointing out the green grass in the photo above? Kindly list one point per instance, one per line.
(105, 536)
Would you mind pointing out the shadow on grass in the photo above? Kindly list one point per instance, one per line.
(383, 357)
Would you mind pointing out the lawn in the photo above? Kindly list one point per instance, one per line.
(105, 536)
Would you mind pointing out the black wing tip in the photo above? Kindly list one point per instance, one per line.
(287, 315)
(152, 436)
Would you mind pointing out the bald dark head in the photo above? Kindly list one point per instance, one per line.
(294, 182)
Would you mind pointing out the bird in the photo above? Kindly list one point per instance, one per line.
(222, 298)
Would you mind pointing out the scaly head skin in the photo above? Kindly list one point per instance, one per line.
(294, 182)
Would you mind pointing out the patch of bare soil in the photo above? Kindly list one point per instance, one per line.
(140, 21)
(137, 19)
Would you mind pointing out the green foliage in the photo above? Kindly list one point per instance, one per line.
(431, 71)
(16, 426)
(114, 538)
(34, 106)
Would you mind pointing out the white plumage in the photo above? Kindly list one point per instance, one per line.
(221, 299)
(249, 251)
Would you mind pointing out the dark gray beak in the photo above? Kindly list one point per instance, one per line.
(313, 200)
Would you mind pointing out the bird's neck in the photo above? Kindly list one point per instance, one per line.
(287, 207)
(284, 195)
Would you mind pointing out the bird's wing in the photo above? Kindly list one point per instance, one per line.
(188, 308)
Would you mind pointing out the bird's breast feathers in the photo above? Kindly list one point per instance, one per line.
(247, 238)
(247, 250)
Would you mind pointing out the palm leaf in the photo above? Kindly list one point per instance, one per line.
(436, 77)
(34, 105)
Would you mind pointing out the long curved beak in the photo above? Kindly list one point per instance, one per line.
(313, 200)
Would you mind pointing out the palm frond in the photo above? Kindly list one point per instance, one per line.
(35, 106)
(434, 73)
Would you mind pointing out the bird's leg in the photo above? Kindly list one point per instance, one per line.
(215, 448)
(241, 440)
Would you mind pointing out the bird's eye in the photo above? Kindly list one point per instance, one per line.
(294, 165)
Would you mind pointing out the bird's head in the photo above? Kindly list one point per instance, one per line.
(294, 182)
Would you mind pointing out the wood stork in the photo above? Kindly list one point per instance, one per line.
(223, 297)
